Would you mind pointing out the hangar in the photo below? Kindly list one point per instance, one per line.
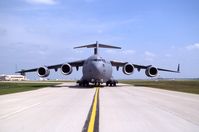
(12, 78)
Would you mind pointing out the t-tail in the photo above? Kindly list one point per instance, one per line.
(96, 47)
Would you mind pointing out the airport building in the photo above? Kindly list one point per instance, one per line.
(12, 78)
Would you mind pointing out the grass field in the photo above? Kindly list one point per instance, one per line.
(14, 87)
(189, 86)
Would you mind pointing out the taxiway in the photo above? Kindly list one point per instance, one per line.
(122, 108)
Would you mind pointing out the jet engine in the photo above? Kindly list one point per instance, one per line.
(66, 69)
(128, 69)
(43, 71)
(151, 71)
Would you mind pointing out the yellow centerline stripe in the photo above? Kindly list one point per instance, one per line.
(93, 113)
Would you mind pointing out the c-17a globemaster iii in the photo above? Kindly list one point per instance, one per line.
(96, 69)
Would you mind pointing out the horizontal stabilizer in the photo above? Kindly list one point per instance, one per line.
(96, 46)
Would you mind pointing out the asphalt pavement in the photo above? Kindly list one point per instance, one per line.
(124, 108)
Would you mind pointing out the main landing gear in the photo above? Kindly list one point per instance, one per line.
(85, 83)
(111, 83)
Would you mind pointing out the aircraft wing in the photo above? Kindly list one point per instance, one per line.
(139, 67)
(73, 64)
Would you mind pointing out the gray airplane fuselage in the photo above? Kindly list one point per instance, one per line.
(97, 69)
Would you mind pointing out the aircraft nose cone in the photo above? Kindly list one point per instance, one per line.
(96, 70)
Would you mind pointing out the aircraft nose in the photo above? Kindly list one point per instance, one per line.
(96, 69)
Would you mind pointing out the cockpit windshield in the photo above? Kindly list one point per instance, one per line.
(98, 60)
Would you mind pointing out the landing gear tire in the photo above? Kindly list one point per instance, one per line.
(111, 83)
(83, 83)
(107, 84)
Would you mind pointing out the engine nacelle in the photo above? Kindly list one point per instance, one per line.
(43, 71)
(66, 69)
(128, 69)
(151, 71)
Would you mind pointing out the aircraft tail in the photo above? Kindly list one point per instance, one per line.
(96, 46)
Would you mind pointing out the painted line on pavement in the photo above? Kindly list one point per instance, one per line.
(92, 121)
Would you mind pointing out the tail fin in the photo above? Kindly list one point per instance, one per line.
(96, 46)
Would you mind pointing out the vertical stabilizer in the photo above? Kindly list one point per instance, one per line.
(96, 48)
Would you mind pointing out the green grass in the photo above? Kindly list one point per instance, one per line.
(14, 87)
(189, 86)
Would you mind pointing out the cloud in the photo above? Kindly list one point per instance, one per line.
(127, 52)
(193, 46)
(123, 52)
(2, 31)
(149, 56)
(79, 51)
(110, 51)
(168, 55)
(44, 2)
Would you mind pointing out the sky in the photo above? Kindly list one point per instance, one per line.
(162, 33)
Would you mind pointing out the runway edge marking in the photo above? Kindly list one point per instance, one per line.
(18, 111)
(92, 121)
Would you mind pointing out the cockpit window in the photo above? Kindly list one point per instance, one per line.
(99, 60)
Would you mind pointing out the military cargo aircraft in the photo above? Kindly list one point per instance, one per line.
(97, 70)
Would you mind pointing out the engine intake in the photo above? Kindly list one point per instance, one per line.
(43, 71)
(151, 71)
(66, 69)
(128, 69)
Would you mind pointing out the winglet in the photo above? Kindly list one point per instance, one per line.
(178, 70)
